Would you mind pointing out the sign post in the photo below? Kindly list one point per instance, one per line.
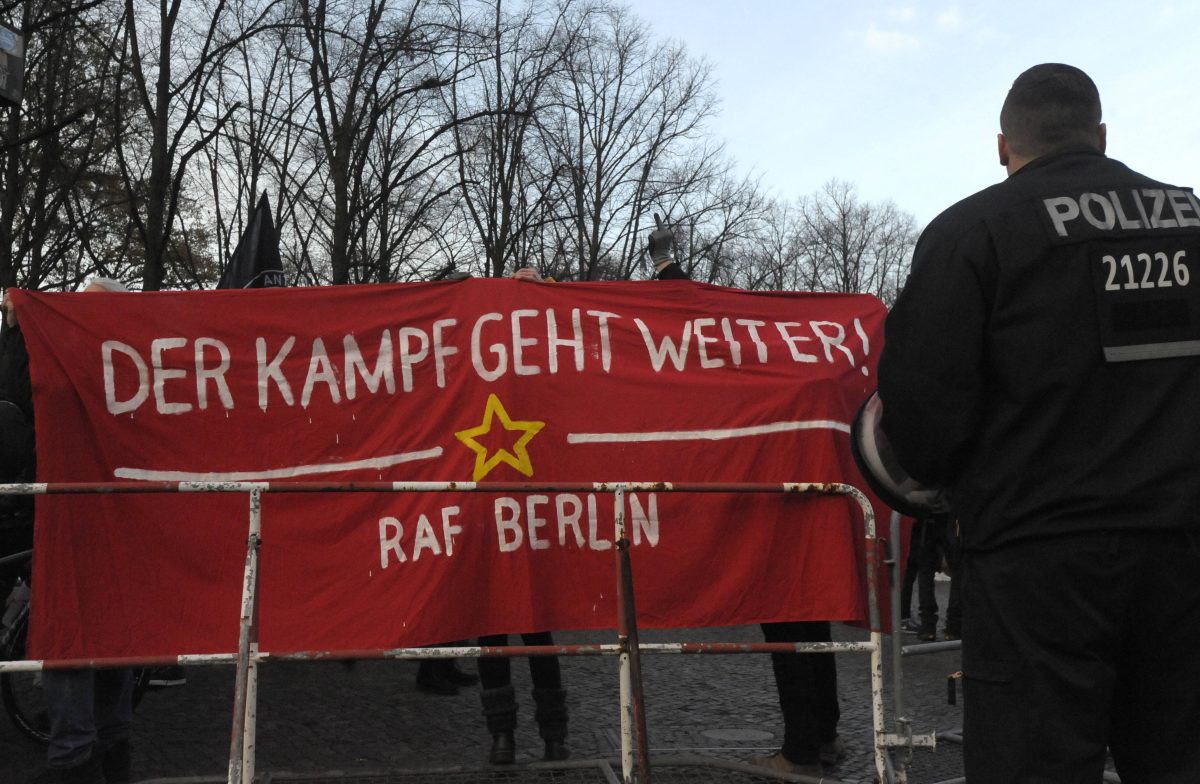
(12, 66)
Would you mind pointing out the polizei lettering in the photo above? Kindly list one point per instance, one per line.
(1132, 209)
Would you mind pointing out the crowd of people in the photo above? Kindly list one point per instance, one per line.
(1035, 373)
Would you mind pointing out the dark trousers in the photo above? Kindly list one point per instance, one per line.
(1079, 643)
(88, 708)
(924, 556)
(807, 686)
(500, 702)
(954, 602)
(495, 672)
(934, 540)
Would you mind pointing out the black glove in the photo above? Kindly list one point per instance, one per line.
(661, 245)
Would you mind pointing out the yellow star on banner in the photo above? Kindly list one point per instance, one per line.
(518, 458)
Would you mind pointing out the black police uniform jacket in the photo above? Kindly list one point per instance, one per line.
(1042, 360)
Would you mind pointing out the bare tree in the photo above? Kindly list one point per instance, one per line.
(502, 173)
(402, 213)
(771, 253)
(169, 64)
(370, 68)
(402, 139)
(848, 245)
(629, 107)
(715, 212)
(257, 151)
(60, 214)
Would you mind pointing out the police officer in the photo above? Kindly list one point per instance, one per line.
(1043, 364)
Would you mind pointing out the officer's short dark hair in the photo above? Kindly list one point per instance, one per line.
(1050, 107)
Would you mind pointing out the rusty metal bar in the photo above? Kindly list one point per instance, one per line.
(241, 757)
(634, 737)
(76, 488)
(624, 669)
(874, 622)
(250, 738)
(460, 652)
(896, 574)
(241, 707)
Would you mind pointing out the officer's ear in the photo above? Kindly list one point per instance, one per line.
(1002, 148)
(1102, 135)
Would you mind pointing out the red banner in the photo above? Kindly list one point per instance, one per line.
(476, 380)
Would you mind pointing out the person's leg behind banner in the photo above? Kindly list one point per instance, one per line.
(499, 702)
(952, 552)
(114, 723)
(909, 581)
(929, 558)
(549, 698)
(808, 698)
(85, 721)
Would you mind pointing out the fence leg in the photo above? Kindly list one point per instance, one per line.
(241, 745)
(875, 622)
(250, 730)
(633, 707)
(896, 574)
(881, 749)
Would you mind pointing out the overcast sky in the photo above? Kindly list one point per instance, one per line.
(903, 99)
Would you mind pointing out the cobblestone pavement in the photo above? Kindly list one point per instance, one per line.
(350, 723)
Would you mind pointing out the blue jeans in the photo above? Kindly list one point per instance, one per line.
(87, 708)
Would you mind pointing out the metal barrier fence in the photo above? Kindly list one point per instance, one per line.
(635, 761)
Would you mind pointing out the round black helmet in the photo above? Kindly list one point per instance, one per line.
(883, 472)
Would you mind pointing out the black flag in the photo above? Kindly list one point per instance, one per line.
(255, 263)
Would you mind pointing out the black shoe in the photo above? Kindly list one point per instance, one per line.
(504, 749)
(460, 677)
(118, 762)
(88, 771)
(556, 751)
(434, 682)
(831, 752)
